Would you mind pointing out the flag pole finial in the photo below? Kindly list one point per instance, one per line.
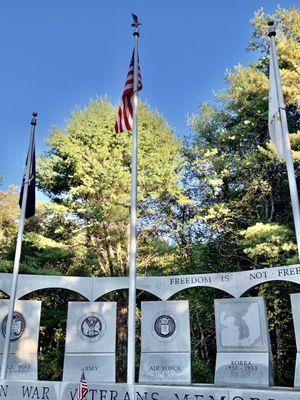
(271, 30)
(33, 121)
(135, 25)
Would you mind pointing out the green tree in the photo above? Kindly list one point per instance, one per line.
(232, 153)
(87, 169)
(9, 211)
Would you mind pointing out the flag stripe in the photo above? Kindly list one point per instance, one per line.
(125, 113)
(82, 388)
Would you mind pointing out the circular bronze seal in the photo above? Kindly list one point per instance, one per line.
(17, 326)
(91, 327)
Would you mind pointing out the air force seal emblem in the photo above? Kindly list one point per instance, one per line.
(165, 326)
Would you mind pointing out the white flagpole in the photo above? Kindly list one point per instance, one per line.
(286, 138)
(133, 219)
(18, 252)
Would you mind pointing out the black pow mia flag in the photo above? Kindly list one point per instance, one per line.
(30, 202)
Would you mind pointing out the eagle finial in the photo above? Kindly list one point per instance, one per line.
(136, 22)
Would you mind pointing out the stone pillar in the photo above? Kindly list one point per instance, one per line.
(295, 300)
(22, 359)
(243, 345)
(91, 342)
(165, 343)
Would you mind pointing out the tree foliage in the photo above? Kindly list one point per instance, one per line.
(87, 169)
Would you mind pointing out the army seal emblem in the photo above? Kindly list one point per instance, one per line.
(17, 327)
(91, 327)
(165, 326)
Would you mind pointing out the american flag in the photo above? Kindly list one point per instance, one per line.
(125, 112)
(82, 388)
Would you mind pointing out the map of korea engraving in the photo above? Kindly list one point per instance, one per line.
(240, 325)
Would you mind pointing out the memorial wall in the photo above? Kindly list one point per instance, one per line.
(234, 283)
(244, 358)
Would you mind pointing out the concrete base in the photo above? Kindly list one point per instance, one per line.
(42, 390)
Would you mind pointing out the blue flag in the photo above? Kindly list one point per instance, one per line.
(30, 203)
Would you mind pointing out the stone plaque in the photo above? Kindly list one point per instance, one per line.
(96, 367)
(295, 300)
(193, 392)
(22, 360)
(91, 341)
(297, 371)
(241, 325)
(25, 390)
(243, 346)
(44, 390)
(165, 326)
(270, 394)
(21, 366)
(247, 369)
(96, 391)
(165, 368)
(91, 327)
(166, 343)
(25, 326)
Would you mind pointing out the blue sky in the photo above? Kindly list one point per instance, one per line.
(56, 55)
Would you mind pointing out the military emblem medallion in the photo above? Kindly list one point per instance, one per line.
(17, 327)
(164, 326)
(91, 327)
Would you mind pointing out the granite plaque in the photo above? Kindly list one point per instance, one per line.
(243, 347)
(96, 367)
(295, 300)
(165, 368)
(90, 341)
(166, 343)
(251, 369)
(193, 392)
(21, 366)
(22, 360)
(241, 325)
(45, 390)
(268, 394)
(98, 391)
(25, 390)
(165, 326)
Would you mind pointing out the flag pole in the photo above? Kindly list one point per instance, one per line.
(133, 218)
(18, 251)
(286, 139)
